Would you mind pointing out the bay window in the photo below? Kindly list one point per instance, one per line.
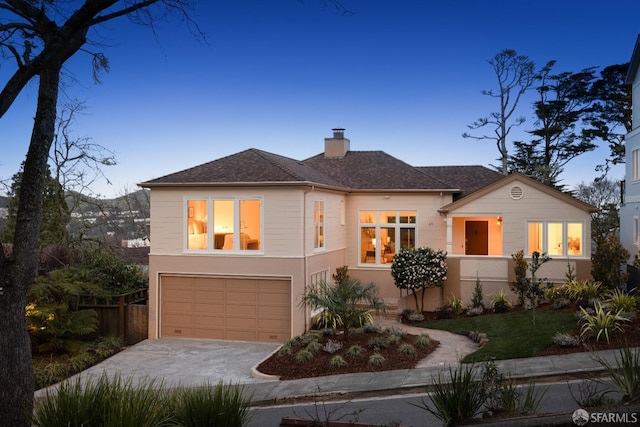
(555, 238)
(231, 224)
(382, 233)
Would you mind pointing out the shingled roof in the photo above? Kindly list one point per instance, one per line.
(375, 170)
(249, 166)
(357, 170)
(466, 178)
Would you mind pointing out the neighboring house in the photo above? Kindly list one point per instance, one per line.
(236, 241)
(630, 208)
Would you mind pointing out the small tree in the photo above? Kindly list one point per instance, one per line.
(528, 288)
(607, 261)
(348, 302)
(418, 269)
(477, 300)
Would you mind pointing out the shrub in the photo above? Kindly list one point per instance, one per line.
(607, 261)
(477, 300)
(378, 343)
(619, 301)
(355, 350)
(475, 311)
(625, 374)
(601, 323)
(348, 302)
(417, 269)
(423, 340)
(303, 356)
(337, 361)
(104, 402)
(565, 340)
(456, 399)
(500, 303)
(376, 359)
(285, 350)
(407, 349)
(314, 347)
(394, 331)
(456, 304)
(332, 346)
(218, 405)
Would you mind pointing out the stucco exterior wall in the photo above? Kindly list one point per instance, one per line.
(534, 205)
(430, 231)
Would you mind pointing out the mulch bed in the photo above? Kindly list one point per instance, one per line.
(288, 368)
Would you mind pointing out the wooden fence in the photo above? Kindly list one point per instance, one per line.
(125, 316)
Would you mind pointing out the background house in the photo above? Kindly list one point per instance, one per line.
(630, 209)
(236, 241)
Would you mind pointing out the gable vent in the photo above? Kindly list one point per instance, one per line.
(516, 193)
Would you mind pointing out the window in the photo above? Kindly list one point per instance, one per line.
(317, 278)
(382, 233)
(236, 225)
(318, 221)
(555, 238)
(635, 164)
(636, 230)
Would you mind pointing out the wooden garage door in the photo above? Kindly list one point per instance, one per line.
(248, 309)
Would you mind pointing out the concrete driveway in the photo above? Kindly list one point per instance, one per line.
(181, 361)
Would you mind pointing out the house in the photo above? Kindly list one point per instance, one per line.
(236, 241)
(630, 208)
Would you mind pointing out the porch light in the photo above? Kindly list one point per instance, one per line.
(499, 220)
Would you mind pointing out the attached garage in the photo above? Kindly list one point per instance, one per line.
(228, 308)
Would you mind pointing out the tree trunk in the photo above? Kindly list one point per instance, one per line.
(18, 270)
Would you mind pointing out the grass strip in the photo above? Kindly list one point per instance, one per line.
(511, 335)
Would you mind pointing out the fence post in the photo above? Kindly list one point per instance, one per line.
(122, 318)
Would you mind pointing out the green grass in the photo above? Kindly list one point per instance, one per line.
(511, 335)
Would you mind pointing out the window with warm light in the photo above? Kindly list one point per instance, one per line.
(197, 224)
(382, 233)
(318, 221)
(555, 238)
(236, 224)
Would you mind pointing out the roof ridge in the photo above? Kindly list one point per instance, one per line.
(268, 157)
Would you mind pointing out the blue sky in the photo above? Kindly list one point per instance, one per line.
(403, 76)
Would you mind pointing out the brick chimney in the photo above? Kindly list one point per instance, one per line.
(338, 146)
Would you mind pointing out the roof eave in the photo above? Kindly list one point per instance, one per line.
(633, 63)
(241, 184)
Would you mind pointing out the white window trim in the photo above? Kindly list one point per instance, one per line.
(545, 230)
(635, 164)
(636, 231)
(210, 234)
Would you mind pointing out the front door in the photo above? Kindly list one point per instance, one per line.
(476, 237)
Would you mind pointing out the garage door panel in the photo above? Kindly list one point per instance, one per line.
(204, 307)
(241, 323)
(212, 334)
(208, 295)
(226, 308)
(241, 310)
(242, 297)
(209, 321)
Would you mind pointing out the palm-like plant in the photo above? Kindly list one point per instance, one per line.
(601, 323)
(348, 302)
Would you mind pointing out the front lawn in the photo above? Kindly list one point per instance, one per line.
(511, 335)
